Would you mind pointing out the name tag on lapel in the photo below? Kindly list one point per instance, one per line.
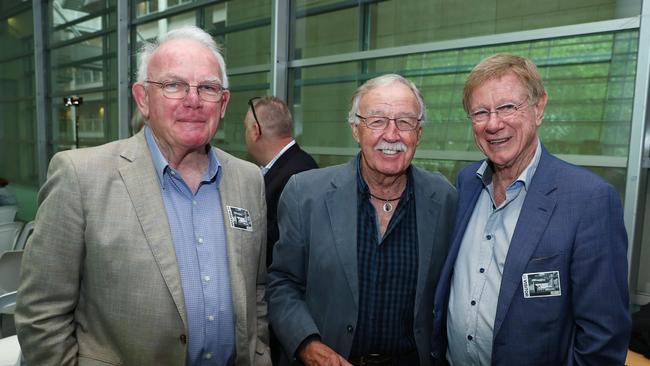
(541, 284)
(240, 218)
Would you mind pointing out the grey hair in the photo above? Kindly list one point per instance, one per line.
(379, 81)
(188, 32)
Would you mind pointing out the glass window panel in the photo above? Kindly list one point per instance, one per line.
(89, 124)
(17, 109)
(248, 47)
(85, 76)
(16, 35)
(242, 87)
(590, 89)
(147, 7)
(326, 33)
(87, 49)
(78, 29)
(67, 11)
(239, 12)
(330, 27)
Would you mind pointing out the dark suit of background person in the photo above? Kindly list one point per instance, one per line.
(268, 133)
(571, 221)
(314, 288)
(102, 282)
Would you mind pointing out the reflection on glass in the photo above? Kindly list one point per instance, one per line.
(590, 81)
(78, 29)
(331, 27)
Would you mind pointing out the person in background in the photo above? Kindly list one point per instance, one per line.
(269, 139)
(151, 250)
(537, 270)
(362, 244)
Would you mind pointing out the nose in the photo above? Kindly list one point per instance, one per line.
(494, 123)
(391, 132)
(192, 97)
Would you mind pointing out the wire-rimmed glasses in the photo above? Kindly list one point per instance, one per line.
(174, 89)
(482, 115)
(381, 122)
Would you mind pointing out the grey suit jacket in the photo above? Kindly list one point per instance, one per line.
(100, 283)
(313, 282)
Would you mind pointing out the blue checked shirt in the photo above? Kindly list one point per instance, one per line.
(387, 275)
(197, 227)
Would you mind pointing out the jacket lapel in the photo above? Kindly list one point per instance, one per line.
(341, 202)
(230, 196)
(141, 182)
(534, 218)
(427, 211)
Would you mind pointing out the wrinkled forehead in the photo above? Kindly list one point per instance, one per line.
(395, 97)
(177, 55)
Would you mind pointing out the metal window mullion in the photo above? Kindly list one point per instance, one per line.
(123, 91)
(280, 48)
(478, 41)
(40, 85)
(636, 176)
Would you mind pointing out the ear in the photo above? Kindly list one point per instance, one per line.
(355, 131)
(419, 135)
(141, 98)
(539, 109)
(225, 98)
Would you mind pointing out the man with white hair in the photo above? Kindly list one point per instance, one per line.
(362, 244)
(151, 250)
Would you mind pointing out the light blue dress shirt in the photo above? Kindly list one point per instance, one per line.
(197, 227)
(479, 268)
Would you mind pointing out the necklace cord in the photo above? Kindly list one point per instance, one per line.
(385, 199)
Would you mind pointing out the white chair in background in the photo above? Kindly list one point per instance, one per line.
(10, 261)
(25, 233)
(10, 270)
(9, 233)
(7, 214)
(10, 351)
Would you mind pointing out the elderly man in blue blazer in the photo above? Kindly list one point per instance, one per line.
(537, 270)
(362, 244)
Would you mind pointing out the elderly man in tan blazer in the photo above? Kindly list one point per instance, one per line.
(151, 250)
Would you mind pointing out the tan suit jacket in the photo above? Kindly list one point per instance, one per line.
(100, 283)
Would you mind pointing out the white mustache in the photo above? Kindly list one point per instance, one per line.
(396, 146)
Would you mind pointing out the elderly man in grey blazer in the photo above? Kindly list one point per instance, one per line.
(151, 250)
(362, 244)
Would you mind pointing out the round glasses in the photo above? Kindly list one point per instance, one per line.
(209, 92)
(380, 122)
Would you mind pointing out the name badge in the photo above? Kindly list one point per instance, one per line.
(239, 218)
(541, 284)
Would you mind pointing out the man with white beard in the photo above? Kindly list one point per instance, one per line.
(362, 244)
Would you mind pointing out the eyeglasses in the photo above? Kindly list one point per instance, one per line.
(209, 92)
(252, 105)
(505, 110)
(380, 123)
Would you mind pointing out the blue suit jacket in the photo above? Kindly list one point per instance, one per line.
(313, 285)
(572, 222)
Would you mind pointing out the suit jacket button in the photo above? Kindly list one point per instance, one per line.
(183, 338)
(350, 328)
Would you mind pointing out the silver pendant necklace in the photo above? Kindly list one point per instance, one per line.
(387, 206)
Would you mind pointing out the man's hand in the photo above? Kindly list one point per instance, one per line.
(317, 353)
